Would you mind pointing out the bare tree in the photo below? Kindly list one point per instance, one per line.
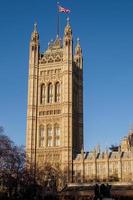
(20, 181)
(12, 162)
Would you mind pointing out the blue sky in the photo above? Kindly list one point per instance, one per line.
(105, 29)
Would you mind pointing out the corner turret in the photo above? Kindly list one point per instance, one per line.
(78, 55)
(68, 43)
(34, 46)
(32, 95)
(35, 34)
(67, 33)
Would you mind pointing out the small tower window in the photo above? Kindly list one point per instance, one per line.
(50, 93)
(41, 136)
(49, 135)
(57, 92)
(57, 135)
(43, 94)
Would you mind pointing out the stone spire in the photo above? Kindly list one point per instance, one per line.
(68, 42)
(78, 54)
(35, 34)
(34, 46)
(35, 27)
(68, 29)
(78, 50)
(67, 33)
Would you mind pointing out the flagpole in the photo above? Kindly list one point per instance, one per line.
(58, 19)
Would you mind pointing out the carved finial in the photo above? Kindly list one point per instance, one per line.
(35, 27)
(78, 41)
(68, 21)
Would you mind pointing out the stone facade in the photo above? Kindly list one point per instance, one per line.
(55, 116)
(115, 165)
(55, 102)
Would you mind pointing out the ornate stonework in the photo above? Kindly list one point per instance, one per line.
(116, 165)
(55, 116)
(55, 102)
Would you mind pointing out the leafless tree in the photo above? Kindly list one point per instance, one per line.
(12, 162)
(20, 182)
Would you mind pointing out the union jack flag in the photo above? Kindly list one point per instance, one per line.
(64, 10)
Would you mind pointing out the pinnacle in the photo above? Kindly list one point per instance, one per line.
(35, 27)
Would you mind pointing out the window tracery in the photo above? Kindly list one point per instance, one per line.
(41, 136)
(57, 92)
(49, 136)
(50, 93)
(43, 94)
(57, 135)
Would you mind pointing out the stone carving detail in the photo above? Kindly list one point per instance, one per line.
(52, 57)
(50, 112)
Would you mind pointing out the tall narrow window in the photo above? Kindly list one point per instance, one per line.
(57, 92)
(41, 136)
(50, 93)
(49, 135)
(57, 135)
(43, 94)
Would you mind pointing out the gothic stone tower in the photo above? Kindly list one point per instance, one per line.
(55, 102)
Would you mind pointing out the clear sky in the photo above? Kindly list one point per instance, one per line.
(105, 28)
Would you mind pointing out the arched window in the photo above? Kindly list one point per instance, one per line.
(43, 94)
(57, 135)
(49, 136)
(41, 136)
(50, 93)
(57, 92)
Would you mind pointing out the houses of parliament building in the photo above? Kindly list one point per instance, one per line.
(55, 116)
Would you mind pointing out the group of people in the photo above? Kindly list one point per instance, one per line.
(102, 191)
